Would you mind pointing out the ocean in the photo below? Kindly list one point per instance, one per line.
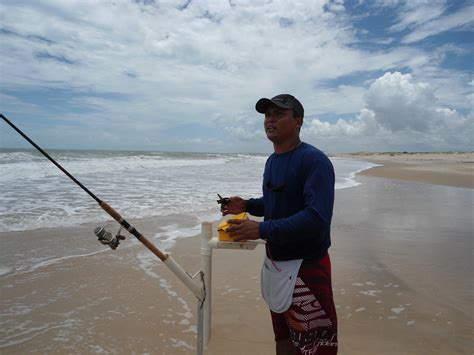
(34, 194)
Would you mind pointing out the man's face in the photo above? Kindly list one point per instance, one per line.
(280, 124)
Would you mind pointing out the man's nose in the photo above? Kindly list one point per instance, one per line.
(270, 117)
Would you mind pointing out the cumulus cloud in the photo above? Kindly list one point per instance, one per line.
(400, 113)
(399, 103)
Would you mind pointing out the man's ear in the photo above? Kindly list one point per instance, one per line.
(299, 122)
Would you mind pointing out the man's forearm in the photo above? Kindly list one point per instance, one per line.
(255, 207)
(302, 225)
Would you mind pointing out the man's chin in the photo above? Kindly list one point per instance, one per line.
(272, 137)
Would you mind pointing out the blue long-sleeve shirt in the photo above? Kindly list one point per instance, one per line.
(297, 204)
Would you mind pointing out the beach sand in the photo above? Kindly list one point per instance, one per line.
(451, 169)
(402, 279)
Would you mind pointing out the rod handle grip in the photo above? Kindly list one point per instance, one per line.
(113, 213)
(152, 248)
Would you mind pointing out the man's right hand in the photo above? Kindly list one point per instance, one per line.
(236, 205)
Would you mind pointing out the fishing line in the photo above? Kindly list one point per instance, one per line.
(103, 237)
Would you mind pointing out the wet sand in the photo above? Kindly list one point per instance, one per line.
(402, 272)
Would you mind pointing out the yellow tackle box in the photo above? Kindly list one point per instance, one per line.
(223, 226)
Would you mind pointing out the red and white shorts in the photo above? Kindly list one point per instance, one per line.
(311, 321)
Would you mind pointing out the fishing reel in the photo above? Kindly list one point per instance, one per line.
(106, 237)
(223, 201)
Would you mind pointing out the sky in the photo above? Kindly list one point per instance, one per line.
(184, 75)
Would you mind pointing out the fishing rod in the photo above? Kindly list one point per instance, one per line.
(199, 283)
(105, 237)
(101, 233)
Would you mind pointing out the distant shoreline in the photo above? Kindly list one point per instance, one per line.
(342, 155)
(440, 168)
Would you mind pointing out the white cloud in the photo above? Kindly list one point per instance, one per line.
(400, 113)
(400, 104)
(426, 18)
(150, 68)
(462, 19)
(364, 124)
(416, 13)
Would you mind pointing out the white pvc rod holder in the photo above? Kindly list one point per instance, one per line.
(194, 284)
(206, 261)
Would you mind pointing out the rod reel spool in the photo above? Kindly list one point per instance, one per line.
(105, 237)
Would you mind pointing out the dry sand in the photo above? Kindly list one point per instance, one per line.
(402, 271)
(452, 169)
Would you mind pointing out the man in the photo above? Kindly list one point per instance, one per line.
(297, 205)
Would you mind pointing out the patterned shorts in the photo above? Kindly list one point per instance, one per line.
(311, 321)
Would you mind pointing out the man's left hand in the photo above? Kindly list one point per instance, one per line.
(243, 229)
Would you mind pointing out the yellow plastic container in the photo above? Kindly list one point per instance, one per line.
(223, 226)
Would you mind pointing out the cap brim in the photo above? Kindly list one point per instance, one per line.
(262, 105)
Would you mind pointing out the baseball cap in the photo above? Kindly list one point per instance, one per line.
(285, 101)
